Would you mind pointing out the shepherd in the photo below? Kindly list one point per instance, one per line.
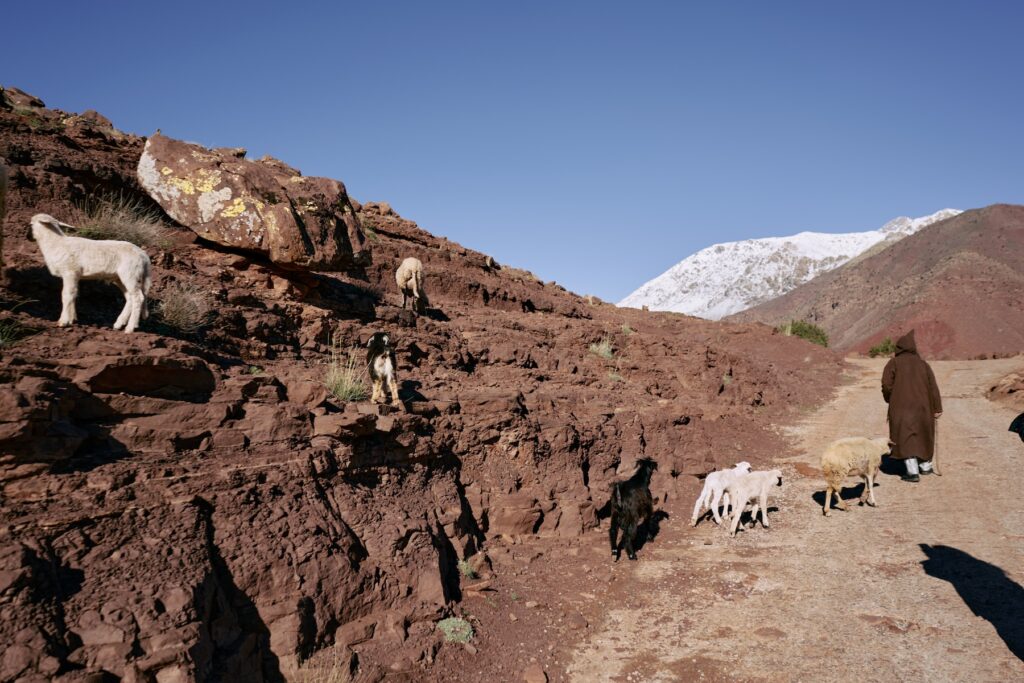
(908, 386)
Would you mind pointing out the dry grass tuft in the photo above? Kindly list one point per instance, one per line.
(345, 375)
(122, 218)
(185, 308)
(603, 348)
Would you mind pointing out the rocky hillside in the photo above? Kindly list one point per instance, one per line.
(197, 506)
(959, 283)
(730, 277)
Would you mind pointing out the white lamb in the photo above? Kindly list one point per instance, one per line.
(856, 456)
(714, 488)
(753, 486)
(409, 277)
(75, 258)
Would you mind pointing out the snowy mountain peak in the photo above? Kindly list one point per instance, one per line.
(730, 277)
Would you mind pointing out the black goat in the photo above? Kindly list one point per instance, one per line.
(632, 506)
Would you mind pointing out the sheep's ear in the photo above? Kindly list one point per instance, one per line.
(387, 340)
(369, 342)
(54, 225)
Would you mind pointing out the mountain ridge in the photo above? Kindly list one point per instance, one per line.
(729, 277)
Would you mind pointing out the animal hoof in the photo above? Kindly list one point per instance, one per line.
(872, 504)
(632, 557)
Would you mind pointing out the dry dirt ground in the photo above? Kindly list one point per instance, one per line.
(927, 586)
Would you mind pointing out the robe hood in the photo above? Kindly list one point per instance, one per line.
(906, 344)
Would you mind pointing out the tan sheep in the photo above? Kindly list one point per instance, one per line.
(409, 277)
(853, 456)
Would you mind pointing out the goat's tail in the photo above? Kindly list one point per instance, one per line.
(617, 494)
(147, 281)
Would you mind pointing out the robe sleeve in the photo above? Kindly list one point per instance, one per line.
(933, 392)
(888, 379)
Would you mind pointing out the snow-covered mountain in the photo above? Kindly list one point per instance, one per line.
(730, 277)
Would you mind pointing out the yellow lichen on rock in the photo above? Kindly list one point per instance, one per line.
(183, 184)
(166, 171)
(235, 209)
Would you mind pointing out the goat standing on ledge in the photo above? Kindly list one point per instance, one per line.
(75, 258)
(381, 363)
(409, 277)
(632, 506)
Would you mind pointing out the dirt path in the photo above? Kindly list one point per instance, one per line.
(883, 594)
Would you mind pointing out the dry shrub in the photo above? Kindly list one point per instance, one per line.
(122, 218)
(603, 348)
(344, 376)
(185, 307)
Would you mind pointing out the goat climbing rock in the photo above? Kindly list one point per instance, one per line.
(263, 206)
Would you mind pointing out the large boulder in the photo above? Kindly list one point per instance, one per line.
(263, 206)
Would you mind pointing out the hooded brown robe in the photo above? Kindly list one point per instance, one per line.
(908, 386)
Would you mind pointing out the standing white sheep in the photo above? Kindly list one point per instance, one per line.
(748, 487)
(714, 488)
(75, 258)
(409, 277)
(856, 456)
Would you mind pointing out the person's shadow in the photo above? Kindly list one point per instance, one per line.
(985, 588)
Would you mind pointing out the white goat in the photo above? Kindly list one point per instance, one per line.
(714, 488)
(855, 456)
(748, 487)
(409, 277)
(75, 258)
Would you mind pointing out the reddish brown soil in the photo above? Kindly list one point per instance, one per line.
(959, 283)
(199, 508)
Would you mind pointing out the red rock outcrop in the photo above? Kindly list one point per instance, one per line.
(262, 206)
(181, 508)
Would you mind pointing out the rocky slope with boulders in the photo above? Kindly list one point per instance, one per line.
(958, 282)
(199, 507)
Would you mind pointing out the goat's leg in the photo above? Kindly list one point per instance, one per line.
(613, 531)
(630, 537)
(716, 500)
(737, 512)
(697, 506)
(393, 388)
(122, 319)
(136, 299)
(67, 297)
(764, 510)
(375, 395)
(827, 507)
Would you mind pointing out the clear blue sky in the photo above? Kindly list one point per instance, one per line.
(593, 143)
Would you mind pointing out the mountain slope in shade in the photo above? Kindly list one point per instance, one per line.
(959, 282)
(733, 276)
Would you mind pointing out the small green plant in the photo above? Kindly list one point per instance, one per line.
(616, 377)
(185, 307)
(370, 228)
(12, 332)
(514, 596)
(456, 630)
(627, 330)
(884, 348)
(603, 348)
(344, 376)
(119, 217)
(805, 330)
(466, 569)
(255, 369)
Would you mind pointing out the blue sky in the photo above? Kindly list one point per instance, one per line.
(593, 143)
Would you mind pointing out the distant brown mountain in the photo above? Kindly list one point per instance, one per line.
(959, 282)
